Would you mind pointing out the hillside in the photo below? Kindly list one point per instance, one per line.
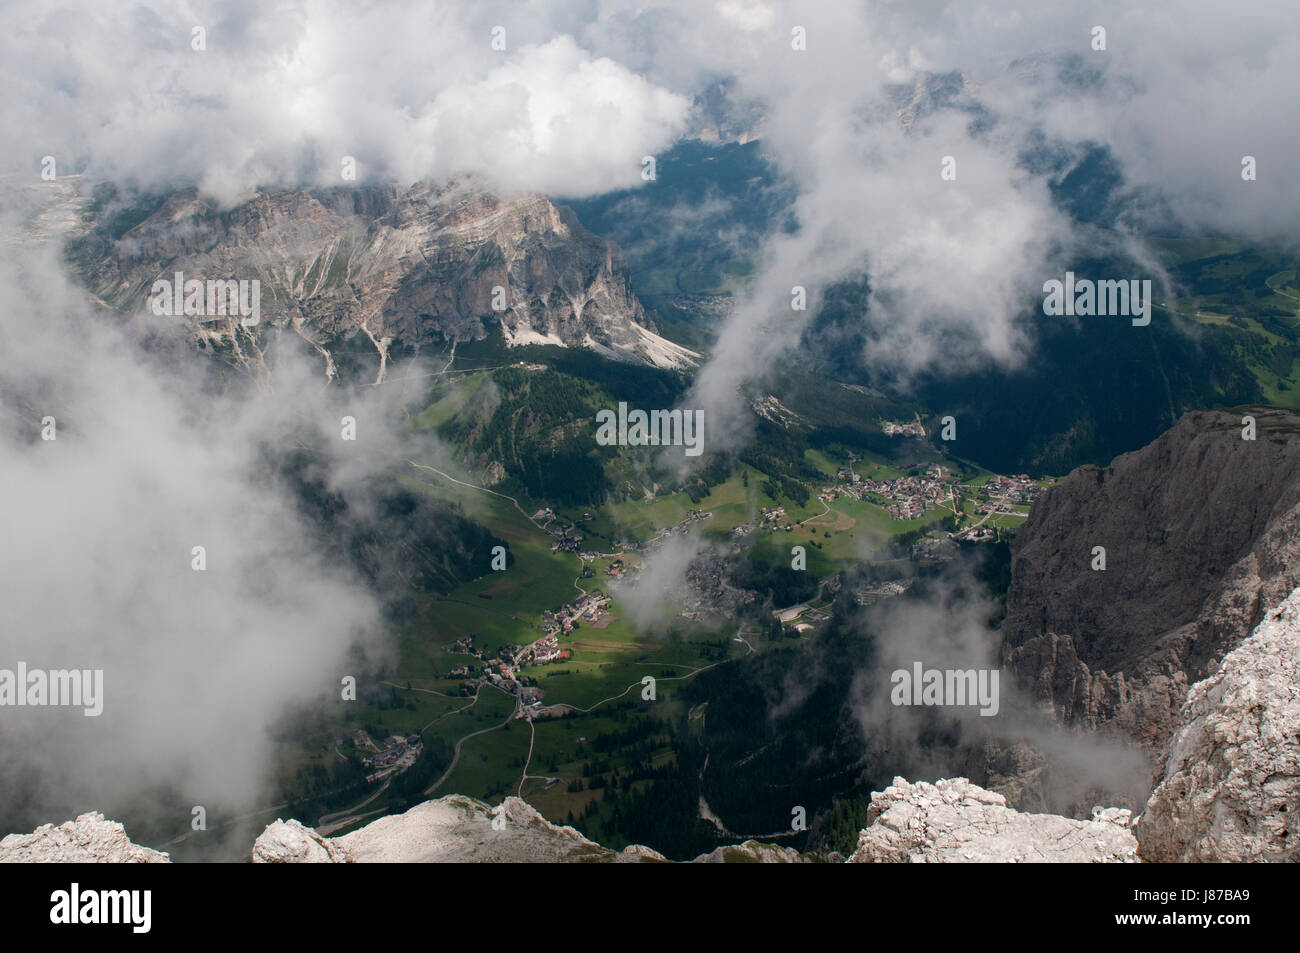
(368, 275)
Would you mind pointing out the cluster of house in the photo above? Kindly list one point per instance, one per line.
(1001, 492)
(894, 429)
(567, 540)
(547, 649)
(874, 592)
(503, 671)
(911, 496)
(707, 590)
(681, 529)
(774, 519)
(589, 606)
(934, 549)
(397, 755)
(465, 646)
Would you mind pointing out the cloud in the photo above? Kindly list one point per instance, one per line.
(861, 120)
(150, 460)
(654, 596)
(278, 97)
(949, 627)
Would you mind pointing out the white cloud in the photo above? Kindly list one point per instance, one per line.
(279, 97)
(96, 569)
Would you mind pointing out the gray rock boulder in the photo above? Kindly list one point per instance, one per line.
(90, 839)
(289, 842)
(451, 829)
(954, 821)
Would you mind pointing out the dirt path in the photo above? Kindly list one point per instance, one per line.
(483, 489)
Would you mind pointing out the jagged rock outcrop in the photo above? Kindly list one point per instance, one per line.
(954, 821)
(1201, 531)
(755, 852)
(289, 842)
(451, 829)
(457, 829)
(384, 268)
(1231, 789)
(90, 839)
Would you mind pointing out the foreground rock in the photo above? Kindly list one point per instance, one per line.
(954, 821)
(290, 842)
(452, 829)
(90, 839)
(1231, 790)
(754, 852)
(457, 829)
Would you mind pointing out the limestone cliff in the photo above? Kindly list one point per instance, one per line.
(1201, 531)
(1231, 787)
(384, 268)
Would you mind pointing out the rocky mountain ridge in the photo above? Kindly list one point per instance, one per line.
(90, 839)
(1201, 535)
(389, 269)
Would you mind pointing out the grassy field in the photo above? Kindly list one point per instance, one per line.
(600, 684)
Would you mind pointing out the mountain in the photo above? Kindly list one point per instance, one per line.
(1201, 532)
(373, 273)
(1231, 788)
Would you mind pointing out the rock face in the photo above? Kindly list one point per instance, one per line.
(754, 852)
(954, 821)
(289, 842)
(1201, 531)
(377, 268)
(452, 829)
(1231, 790)
(90, 839)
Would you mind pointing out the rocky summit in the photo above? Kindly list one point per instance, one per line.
(381, 269)
(452, 829)
(456, 829)
(954, 821)
(90, 839)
